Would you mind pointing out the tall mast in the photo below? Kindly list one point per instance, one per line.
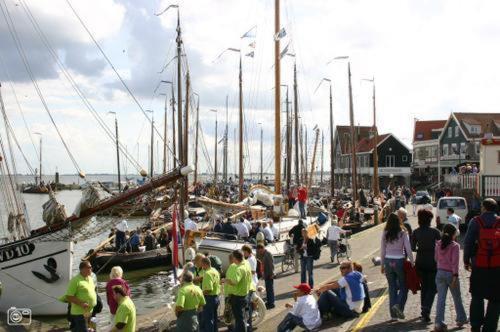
(117, 155)
(224, 157)
(322, 156)
(332, 167)
(376, 188)
(301, 142)
(353, 141)
(165, 137)
(215, 148)
(196, 141)
(296, 119)
(277, 101)
(313, 162)
(152, 145)
(241, 176)
(174, 143)
(306, 154)
(179, 111)
(185, 142)
(261, 155)
(288, 143)
(41, 159)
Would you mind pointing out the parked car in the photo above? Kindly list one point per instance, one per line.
(459, 204)
(423, 197)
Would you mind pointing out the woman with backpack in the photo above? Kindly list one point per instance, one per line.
(395, 247)
(447, 255)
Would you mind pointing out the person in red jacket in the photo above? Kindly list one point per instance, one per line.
(302, 198)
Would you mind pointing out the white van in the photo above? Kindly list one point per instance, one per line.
(459, 204)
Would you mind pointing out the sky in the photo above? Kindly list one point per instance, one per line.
(428, 58)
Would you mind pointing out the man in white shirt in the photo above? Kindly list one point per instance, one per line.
(189, 224)
(268, 234)
(333, 235)
(304, 313)
(349, 298)
(274, 229)
(242, 229)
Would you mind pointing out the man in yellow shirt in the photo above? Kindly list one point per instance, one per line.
(210, 286)
(239, 281)
(82, 297)
(125, 316)
(189, 301)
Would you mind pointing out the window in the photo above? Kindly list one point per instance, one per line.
(390, 160)
(457, 130)
(477, 147)
(450, 132)
(445, 149)
(453, 149)
(404, 158)
(462, 148)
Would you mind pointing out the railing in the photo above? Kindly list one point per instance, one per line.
(464, 181)
(490, 186)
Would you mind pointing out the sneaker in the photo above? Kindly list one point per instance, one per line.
(399, 314)
(269, 306)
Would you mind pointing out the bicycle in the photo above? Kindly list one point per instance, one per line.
(258, 314)
(288, 261)
(344, 248)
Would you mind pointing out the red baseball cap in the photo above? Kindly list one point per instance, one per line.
(304, 288)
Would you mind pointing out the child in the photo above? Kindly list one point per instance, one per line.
(304, 313)
(447, 255)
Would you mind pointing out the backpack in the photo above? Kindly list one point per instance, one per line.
(260, 269)
(317, 249)
(488, 251)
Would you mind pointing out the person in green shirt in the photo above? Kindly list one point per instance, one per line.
(82, 297)
(189, 301)
(125, 317)
(239, 279)
(211, 289)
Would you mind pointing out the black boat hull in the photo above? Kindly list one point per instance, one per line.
(102, 262)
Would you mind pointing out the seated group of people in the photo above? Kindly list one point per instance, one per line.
(130, 241)
(346, 297)
(259, 231)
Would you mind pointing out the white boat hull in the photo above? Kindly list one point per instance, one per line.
(21, 288)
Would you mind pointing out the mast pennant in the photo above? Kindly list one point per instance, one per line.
(280, 35)
(250, 33)
(284, 52)
(250, 54)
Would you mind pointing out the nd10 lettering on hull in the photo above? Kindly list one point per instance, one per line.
(16, 251)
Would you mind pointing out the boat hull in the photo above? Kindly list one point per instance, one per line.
(104, 261)
(26, 280)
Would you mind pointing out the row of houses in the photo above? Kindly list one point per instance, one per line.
(465, 142)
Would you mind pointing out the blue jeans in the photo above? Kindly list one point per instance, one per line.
(208, 321)
(443, 283)
(78, 323)
(329, 302)
(306, 265)
(290, 322)
(238, 305)
(269, 291)
(395, 274)
(302, 210)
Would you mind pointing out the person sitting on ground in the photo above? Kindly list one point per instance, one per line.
(304, 313)
(367, 304)
(348, 302)
(149, 241)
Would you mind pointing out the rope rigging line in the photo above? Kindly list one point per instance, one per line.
(75, 86)
(9, 79)
(122, 81)
(20, 50)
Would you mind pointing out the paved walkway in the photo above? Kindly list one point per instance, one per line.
(365, 246)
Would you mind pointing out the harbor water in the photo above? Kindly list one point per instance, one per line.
(149, 288)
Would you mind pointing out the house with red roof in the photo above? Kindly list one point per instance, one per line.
(394, 157)
(425, 151)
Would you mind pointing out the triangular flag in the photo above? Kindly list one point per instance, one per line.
(252, 44)
(280, 34)
(282, 54)
(250, 33)
(250, 54)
